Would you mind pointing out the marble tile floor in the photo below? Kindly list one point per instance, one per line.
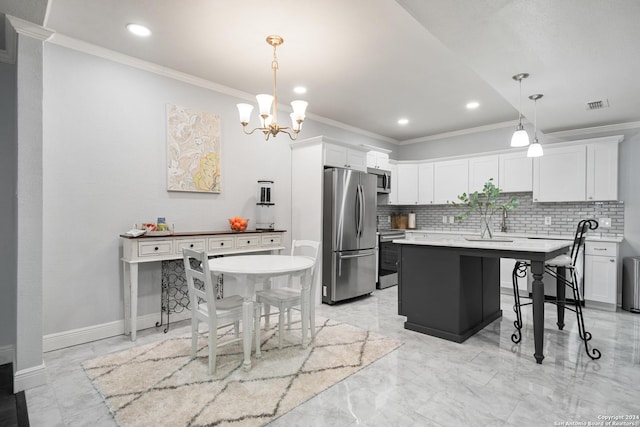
(486, 381)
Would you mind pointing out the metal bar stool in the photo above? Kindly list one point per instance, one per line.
(567, 262)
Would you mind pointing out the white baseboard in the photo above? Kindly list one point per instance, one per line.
(7, 353)
(97, 332)
(29, 378)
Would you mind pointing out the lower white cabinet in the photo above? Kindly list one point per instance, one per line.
(601, 273)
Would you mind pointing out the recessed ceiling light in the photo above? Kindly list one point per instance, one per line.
(473, 104)
(139, 30)
(403, 121)
(300, 89)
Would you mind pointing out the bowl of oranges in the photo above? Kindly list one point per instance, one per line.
(238, 223)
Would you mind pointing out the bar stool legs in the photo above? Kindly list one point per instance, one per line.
(519, 271)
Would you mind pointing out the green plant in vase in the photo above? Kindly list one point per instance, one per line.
(486, 203)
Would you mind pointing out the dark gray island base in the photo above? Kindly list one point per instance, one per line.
(450, 287)
(445, 293)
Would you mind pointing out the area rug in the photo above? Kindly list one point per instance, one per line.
(159, 384)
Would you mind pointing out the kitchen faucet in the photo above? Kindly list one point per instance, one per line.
(503, 226)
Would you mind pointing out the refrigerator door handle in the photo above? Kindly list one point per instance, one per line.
(355, 256)
(363, 209)
(358, 211)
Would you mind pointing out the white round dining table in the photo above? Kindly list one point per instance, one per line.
(251, 269)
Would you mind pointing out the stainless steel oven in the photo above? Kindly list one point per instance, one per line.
(388, 253)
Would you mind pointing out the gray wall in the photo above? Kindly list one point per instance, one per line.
(105, 169)
(8, 172)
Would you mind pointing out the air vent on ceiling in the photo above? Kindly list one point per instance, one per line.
(597, 105)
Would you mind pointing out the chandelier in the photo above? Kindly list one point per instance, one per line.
(268, 122)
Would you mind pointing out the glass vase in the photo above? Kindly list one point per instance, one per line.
(486, 227)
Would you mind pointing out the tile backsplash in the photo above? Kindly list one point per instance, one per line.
(527, 218)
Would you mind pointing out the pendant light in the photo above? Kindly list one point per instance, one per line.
(520, 137)
(535, 149)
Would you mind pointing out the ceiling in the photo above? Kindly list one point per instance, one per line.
(367, 63)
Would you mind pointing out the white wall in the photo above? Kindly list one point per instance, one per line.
(8, 225)
(104, 170)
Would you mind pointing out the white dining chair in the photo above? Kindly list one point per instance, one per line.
(285, 298)
(214, 312)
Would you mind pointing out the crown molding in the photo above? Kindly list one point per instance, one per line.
(8, 54)
(30, 29)
(468, 131)
(593, 130)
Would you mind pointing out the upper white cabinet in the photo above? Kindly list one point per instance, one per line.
(559, 175)
(407, 181)
(425, 183)
(450, 179)
(602, 171)
(581, 171)
(378, 160)
(481, 169)
(345, 157)
(515, 172)
(393, 194)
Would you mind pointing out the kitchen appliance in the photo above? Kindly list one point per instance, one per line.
(631, 284)
(266, 208)
(383, 179)
(388, 254)
(348, 234)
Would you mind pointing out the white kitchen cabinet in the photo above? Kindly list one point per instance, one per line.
(425, 183)
(515, 172)
(345, 157)
(560, 175)
(577, 171)
(407, 181)
(481, 169)
(393, 193)
(602, 171)
(450, 179)
(378, 160)
(601, 273)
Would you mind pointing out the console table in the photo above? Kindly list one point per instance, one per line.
(163, 247)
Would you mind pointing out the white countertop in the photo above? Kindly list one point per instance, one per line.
(593, 236)
(519, 244)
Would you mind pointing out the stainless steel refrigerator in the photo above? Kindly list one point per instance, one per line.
(349, 235)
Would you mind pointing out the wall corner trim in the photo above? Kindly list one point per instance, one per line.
(29, 378)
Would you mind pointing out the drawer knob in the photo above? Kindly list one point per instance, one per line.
(191, 245)
(221, 243)
(612, 260)
(271, 240)
(248, 241)
(156, 248)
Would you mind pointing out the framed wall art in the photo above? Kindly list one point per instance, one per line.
(193, 150)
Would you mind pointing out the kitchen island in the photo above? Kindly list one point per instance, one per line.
(450, 287)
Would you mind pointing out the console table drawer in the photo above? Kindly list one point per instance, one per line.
(195, 244)
(159, 247)
(271, 240)
(245, 242)
(218, 244)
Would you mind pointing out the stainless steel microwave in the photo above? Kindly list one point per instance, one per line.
(383, 179)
